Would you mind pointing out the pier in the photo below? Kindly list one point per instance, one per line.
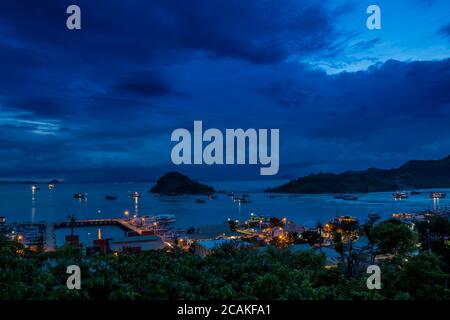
(121, 223)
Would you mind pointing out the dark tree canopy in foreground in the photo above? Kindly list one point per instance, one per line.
(228, 273)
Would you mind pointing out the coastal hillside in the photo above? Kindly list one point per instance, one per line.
(177, 183)
(413, 174)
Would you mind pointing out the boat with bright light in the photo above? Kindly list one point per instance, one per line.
(399, 195)
(438, 195)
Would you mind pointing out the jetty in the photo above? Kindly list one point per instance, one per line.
(121, 223)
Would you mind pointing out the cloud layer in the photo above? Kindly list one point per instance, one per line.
(100, 103)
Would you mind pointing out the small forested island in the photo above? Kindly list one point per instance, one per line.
(177, 183)
(412, 174)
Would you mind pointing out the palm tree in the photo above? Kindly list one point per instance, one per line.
(72, 226)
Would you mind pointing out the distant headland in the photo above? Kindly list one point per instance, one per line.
(54, 181)
(413, 174)
(176, 183)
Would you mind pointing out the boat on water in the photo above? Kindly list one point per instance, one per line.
(51, 186)
(162, 219)
(34, 188)
(110, 197)
(346, 197)
(243, 199)
(415, 193)
(79, 196)
(402, 215)
(438, 195)
(399, 195)
(165, 218)
(212, 197)
(136, 195)
(343, 219)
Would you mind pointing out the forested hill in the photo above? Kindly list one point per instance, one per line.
(177, 183)
(413, 174)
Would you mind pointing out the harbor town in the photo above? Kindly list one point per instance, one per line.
(140, 232)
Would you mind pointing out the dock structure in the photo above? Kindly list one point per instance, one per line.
(121, 223)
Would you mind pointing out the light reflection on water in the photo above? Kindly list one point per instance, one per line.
(17, 202)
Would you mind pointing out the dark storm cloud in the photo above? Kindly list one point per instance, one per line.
(370, 101)
(106, 97)
(260, 32)
(98, 69)
(144, 85)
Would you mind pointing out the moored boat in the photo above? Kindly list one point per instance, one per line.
(438, 195)
(79, 196)
(346, 197)
(398, 195)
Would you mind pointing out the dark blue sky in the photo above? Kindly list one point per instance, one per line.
(101, 103)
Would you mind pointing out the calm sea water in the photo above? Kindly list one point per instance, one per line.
(19, 204)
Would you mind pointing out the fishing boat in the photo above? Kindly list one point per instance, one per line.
(165, 218)
(346, 197)
(343, 219)
(402, 215)
(350, 197)
(136, 195)
(399, 195)
(110, 197)
(51, 186)
(438, 195)
(241, 200)
(79, 196)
